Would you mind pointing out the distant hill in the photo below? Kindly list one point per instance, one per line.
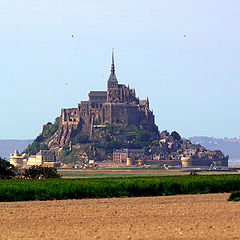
(9, 146)
(230, 146)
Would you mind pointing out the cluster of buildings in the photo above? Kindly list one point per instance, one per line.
(172, 152)
(43, 158)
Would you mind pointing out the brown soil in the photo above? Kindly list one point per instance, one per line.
(208, 216)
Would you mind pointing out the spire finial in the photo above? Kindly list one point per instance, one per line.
(113, 66)
(112, 55)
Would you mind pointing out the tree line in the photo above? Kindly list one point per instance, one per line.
(8, 171)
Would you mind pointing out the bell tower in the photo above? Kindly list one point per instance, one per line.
(112, 81)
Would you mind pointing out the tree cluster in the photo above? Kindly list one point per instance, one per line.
(36, 172)
(8, 171)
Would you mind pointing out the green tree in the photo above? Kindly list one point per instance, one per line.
(65, 148)
(114, 144)
(176, 136)
(155, 143)
(33, 148)
(39, 138)
(143, 136)
(107, 138)
(36, 172)
(44, 147)
(81, 138)
(7, 170)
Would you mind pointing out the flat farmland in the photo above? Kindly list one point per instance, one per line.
(118, 172)
(131, 172)
(206, 216)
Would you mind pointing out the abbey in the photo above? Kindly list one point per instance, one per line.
(119, 105)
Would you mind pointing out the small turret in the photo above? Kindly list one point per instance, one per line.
(147, 102)
(16, 153)
(134, 92)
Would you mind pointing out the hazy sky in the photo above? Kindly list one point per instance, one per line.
(192, 82)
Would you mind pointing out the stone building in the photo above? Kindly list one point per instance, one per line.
(182, 152)
(18, 160)
(118, 105)
(121, 155)
(43, 158)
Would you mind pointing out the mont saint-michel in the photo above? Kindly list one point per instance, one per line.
(118, 106)
(113, 127)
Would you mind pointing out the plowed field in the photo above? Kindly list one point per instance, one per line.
(208, 216)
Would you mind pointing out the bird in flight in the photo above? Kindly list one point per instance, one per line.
(184, 35)
(72, 36)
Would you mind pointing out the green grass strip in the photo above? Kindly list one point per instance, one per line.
(235, 196)
(49, 189)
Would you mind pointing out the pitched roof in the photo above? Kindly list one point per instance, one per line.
(98, 93)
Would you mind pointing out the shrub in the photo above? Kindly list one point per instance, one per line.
(36, 172)
(155, 142)
(114, 144)
(7, 170)
(81, 138)
(235, 196)
(176, 136)
(143, 136)
(43, 147)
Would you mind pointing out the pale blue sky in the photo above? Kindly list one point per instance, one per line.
(192, 82)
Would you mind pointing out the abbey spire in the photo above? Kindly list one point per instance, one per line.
(112, 81)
